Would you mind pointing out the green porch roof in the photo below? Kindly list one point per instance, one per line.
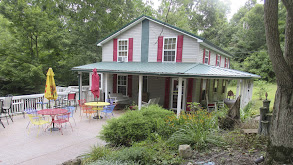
(165, 69)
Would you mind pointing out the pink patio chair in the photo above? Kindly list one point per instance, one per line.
(62, 119)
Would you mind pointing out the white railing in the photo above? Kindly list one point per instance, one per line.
(20, 103)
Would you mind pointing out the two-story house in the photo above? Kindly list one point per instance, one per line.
(148, 58)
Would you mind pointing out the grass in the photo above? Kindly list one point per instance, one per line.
(256, 102)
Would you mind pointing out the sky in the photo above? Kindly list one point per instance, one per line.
(234, 5)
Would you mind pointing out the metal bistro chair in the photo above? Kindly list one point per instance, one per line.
(71, 110)
(70, 98)
(30, 109)
(0, 116)
(108, 109)
(36, 120)
(6, 108)
(62, 119)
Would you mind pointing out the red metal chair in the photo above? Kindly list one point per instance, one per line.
(71, 98)
(62, 119)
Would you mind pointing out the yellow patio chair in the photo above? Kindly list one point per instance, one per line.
(37, 120)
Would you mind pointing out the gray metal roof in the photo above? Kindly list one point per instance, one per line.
(165, 69)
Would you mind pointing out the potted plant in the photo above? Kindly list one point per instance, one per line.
(133, 106)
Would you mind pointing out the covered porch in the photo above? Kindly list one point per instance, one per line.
(176, 84)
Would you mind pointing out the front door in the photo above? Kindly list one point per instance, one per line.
(174, 93)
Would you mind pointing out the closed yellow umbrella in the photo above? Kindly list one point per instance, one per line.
(50, 90)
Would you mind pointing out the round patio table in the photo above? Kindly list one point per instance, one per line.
(52, 113)
(99, 106)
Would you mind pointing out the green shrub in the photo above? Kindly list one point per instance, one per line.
(97, 152)
(161, 152)
(133, 154)
(113, 162)
(133, 126)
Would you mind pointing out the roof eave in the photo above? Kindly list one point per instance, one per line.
(215, 49)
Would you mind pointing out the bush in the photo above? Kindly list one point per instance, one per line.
(96, 153)
(133, 154)
(113, 162)
(194, 129)
(133, 126)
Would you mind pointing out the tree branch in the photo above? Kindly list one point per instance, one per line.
(281, 68)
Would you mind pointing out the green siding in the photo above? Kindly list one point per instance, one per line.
(145, 41)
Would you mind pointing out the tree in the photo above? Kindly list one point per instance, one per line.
(280, 148)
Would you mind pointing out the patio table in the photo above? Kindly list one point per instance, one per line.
(52, 113)
(99, 105)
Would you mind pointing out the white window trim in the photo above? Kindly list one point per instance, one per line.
(122, 85)
(169, 49)
(218, 59)
(101, 79)
(123, 50)
(206, 54)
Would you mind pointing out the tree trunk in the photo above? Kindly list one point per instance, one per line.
(280, 148)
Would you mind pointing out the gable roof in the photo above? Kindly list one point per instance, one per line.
(201, 40)
(165, 69)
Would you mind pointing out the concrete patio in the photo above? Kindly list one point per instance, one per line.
(49, 148)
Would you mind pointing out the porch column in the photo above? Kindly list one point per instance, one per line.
(139, 91)
(179, 96)
(237, 88)
(106, 85)
(80, 85)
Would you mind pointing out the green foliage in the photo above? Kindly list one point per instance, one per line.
(96, 153)
(113, 162)
(262, 88)
(134, 154)
(133, 126)
(195, 129)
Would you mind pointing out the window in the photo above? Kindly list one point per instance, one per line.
(169, 50)
(218, 62)
(206, 56)
(100, 81)
(123, 50)
(122, 84)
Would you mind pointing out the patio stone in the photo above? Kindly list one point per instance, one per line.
(19, 147)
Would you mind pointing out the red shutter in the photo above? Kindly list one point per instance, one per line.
(179, 48)
(130, 50)
(189, 93)
(204, 52)
(225, 63)
(115, 49)
(167, 92)
(114, 83)
(228, 62)
(216, 59)
(160, 48)
(129, 86)
(209, 57)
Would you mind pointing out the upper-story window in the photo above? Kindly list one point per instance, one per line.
(218, 62)
(122, 50)
(206, 56)
(169, 50)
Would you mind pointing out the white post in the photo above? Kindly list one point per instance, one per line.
(80, 85)
(139, 91)
(106, 85)
(90, 85)
(179, 96)
(237, 88)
